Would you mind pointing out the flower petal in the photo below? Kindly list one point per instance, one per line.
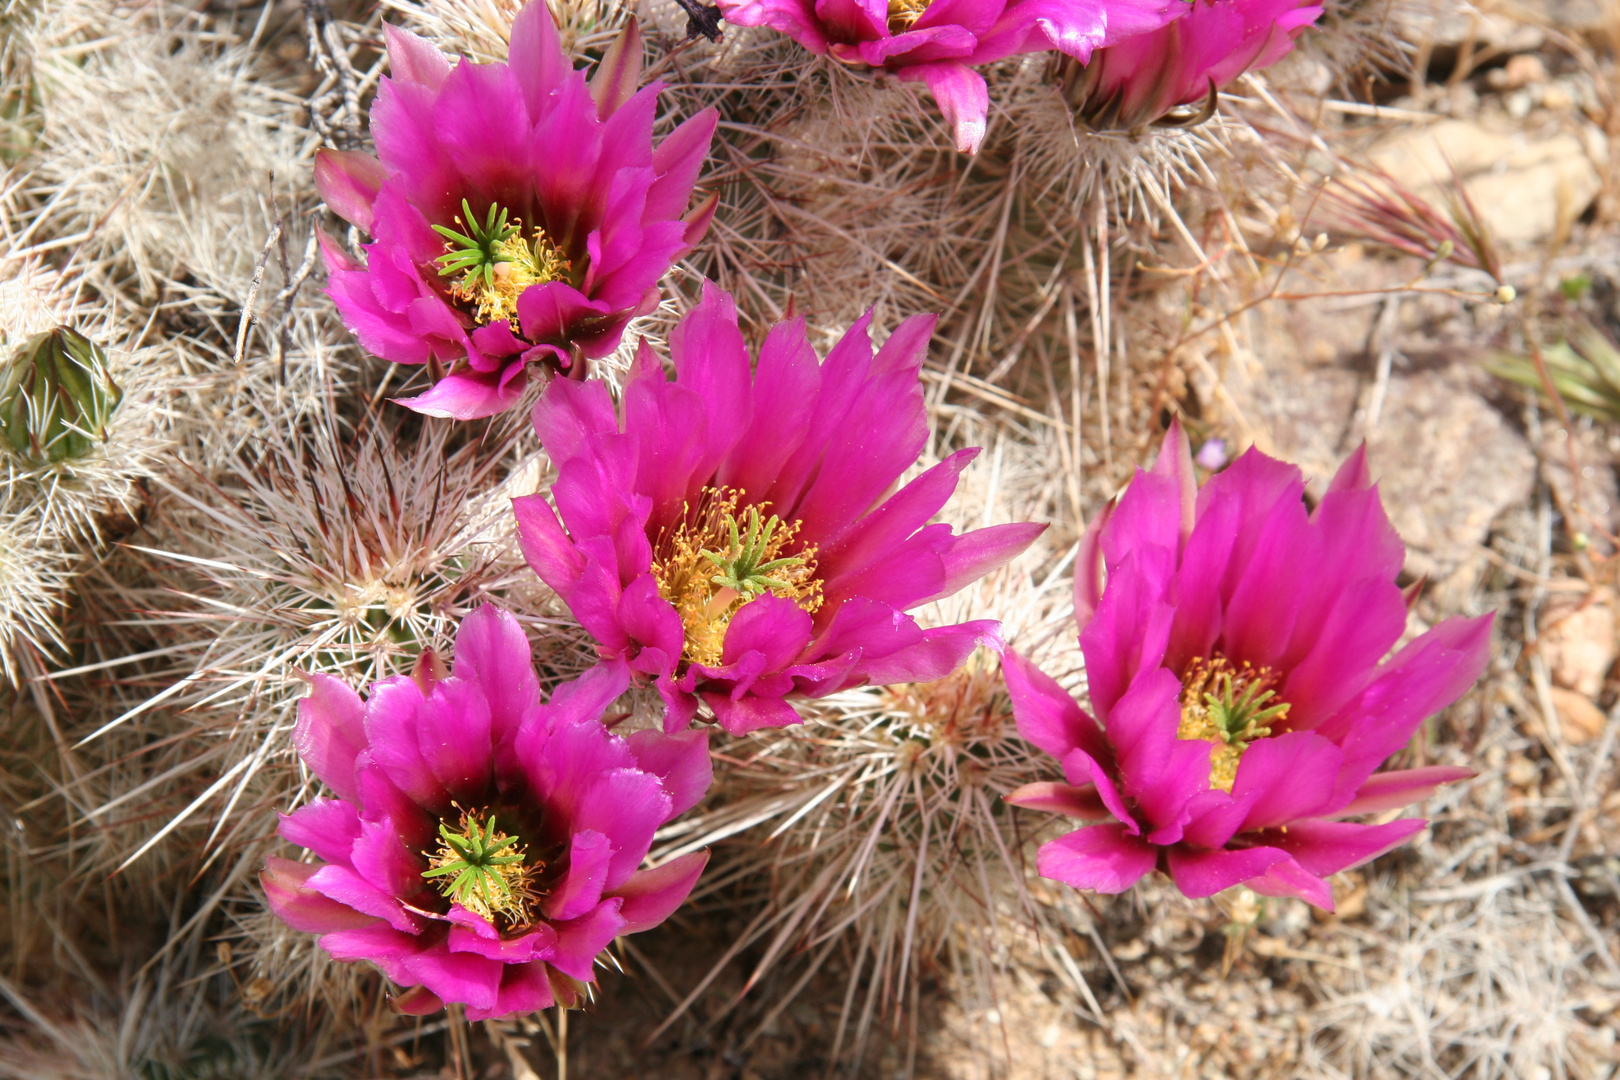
(581, 886)
(327, 827)
(469, 395)
(681, 763)
(1045, 713)
(627, 806)
(677, 160)
(1204, 873)
(525, 988)
(1424, 677)
(651, 896)
(348, 181)
(536, 55)
(795, 18)
(508, 950)
(546, 547)
(711, 359)
(579, 940)
(453, 737)
(938, 652)
(1401, 788)
(1071, 800)
(1285, 877)
(618, 72)
(416, 1001)
(752, 713)
(1100, 857)
(391, 726)
(330, 732)
(379, 943)
(383, 860)
(1292, 776)
(412, 59)
(493, 653)
(347, 887)
(1327, 847)
(303, 908)
(462, 978)
(962, 97)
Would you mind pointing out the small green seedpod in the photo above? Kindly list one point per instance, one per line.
(56, 397)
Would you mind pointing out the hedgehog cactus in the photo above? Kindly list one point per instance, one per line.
(56, 397)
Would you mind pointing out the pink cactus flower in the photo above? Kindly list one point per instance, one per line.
(517, 213)
(938, 42)
(1138, 81)
(483, 846)
(1240, 673)
(730, 537)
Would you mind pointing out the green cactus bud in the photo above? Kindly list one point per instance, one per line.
(56, 397)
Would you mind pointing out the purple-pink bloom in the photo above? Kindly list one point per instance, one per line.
(1239, 668)
(517, 212)
(1136, 82)
(483, 845)
(938, 42)
(729, 534)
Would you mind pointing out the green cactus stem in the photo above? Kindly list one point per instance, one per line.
(56, 397)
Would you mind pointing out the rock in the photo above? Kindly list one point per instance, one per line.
(1579, 17)
(1524, 186)
(1579, 720)
(1521, 771)
(1557, 98)
(1519, 72)
(1449, 26)
(1596, 511)
(1447, 463)
(1578, 643)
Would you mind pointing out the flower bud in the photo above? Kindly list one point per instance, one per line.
(56, 397)
(1172, 76)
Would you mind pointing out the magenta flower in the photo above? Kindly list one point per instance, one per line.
(938, 42)
(483, 846)
(1136, 82)
(730, 536)
(1237, 663)
(517, 214)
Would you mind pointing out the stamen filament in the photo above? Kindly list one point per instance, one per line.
(715, 559)
(496, 262)
(903, 14)
(741, 567)
(1227, 707)
(489, 880)
(480, 251)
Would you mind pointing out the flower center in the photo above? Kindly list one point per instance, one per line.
(903, 14)
(1229, 706)
(713, 561)
(484, 870)
(496, 262)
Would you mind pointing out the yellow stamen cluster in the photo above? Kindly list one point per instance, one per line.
(484, 870)
(903, 14)
(518, 264)
(697, 563)
(1229, 706)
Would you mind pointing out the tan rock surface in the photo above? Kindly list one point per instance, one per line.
(1446, 460)
(1524, 185)
(1578, 643)
(1579, 720)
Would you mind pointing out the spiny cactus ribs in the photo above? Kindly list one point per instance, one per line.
(56, 397)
